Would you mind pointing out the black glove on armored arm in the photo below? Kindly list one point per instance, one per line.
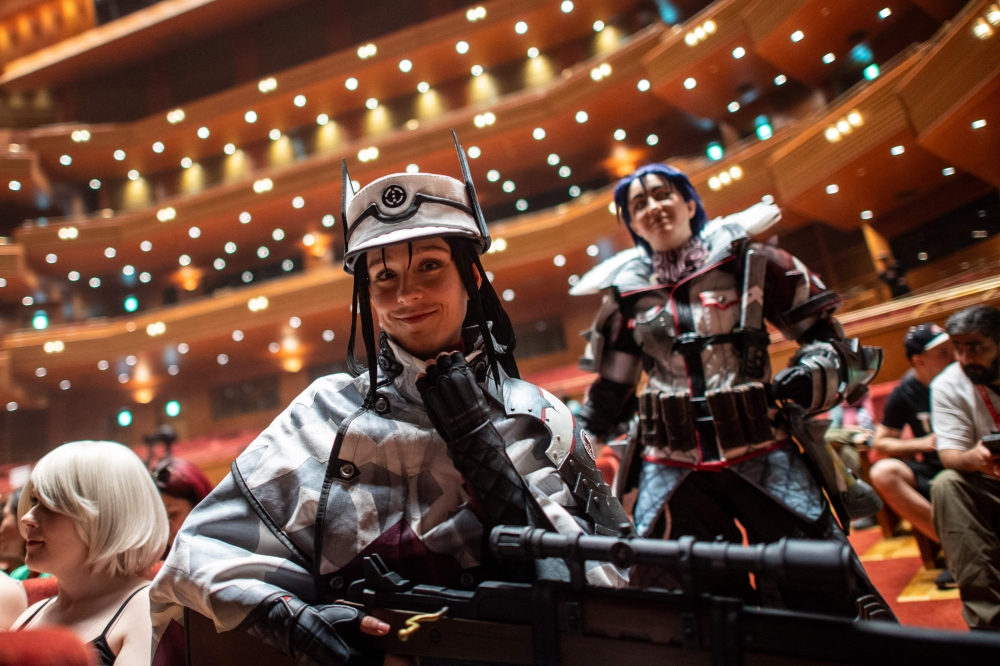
(608, 404)
(461, 415)
(312, 635)
(795, 384)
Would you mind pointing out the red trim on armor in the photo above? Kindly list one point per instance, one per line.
(709, 301)
(717, 465)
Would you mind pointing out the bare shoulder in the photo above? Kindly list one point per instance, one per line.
(131, 635)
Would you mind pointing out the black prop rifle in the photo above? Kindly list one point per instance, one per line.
(549, 622)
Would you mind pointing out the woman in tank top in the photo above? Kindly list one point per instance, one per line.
(92, 516)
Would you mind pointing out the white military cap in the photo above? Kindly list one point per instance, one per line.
(405, 207)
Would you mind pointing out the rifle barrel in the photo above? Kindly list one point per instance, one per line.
(794, 562)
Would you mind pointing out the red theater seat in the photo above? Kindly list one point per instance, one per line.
(44, 647)
(40, 588)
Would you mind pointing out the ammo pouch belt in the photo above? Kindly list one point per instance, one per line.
(751, 343)
(667, 421)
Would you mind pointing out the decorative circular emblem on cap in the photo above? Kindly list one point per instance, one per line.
(393, 196)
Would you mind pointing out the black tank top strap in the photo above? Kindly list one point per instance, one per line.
(105, 657)
(121, 608)
(24, 625)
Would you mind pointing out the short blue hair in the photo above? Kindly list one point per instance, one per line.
(677, 179)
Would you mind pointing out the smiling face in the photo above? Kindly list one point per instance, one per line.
(53, 544)
(660, 216)
(419, 300)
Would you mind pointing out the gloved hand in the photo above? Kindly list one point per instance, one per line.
(454, 401)
(459, 411)
(795, 384)
(315, 635)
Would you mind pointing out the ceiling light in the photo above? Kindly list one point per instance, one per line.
(690, 83)
(95, 184)
(299, 101)
(250, 116)
(538, 133)
(257, 304)
(715, 151)
(165, 214)
(80, 136)
(287, 265)
(493, 175)
(521, 205)
(229, 149)
(73, 276)
(619, 135)
(367, 51)
(351, 83)
(474, 152)
(872, 71)
(294, 322)
(145, 246)
(652, 139)
(780, 80)
(897, 150)
(476, 13)
(145, 277)
(462, 47)
(298, 202)
(423, 87)
(152, 330)
(368, 154)
(739, 52)
(65, 160)
(948, 171)
(110, 252)
(203, 133)
(828, 58)
(866, 215)
(119, 155)
(855, 119)
(175, 116)
(219, 264)
(245, 217)
(194, 232)
(885, 12)
(598, 26)
(262, 185)
(405, 65)
(51, 258)
(158, 147)
(267, 85)
(832, 188)
(553, 159)
(566, 7)
(274, 134)
(322, 119)
(329, 220)
(978, 124)
(371, 103)
(533, 52)
(308, 240)
(797, 36)
(263, 252)
(94, 282)
(230, 247)
(733, 107)
(565, 171)
(184, 260)
(222, 359)
(520, 27)
(477, 70)
(278, 234)
(508, 186)
(186, 162)
(133, 174)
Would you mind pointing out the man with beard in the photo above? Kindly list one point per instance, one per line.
(965, 410)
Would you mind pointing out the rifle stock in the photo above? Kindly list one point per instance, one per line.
(555, 622)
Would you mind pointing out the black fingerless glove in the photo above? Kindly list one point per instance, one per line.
(795, 384)
(608, 404)
(461, 415)
(312, 635)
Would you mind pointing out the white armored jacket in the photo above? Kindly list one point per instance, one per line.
(390, 489)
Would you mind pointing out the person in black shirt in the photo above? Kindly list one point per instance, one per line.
(903, 479)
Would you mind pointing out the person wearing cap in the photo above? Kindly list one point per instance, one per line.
(965, 413)
(414, 456)
(903, 476)
(717, 453)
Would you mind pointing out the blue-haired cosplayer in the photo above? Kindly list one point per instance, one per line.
(718, 440)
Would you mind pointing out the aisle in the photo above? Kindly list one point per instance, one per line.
(895, 568)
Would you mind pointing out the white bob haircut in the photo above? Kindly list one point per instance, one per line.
(107, 491)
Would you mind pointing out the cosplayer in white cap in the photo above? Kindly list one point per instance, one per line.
(414, 456)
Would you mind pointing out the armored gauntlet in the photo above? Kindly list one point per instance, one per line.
(459, 411)
(312, 635)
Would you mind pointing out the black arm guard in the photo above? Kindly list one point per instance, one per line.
(311, 635)
(608, 404)
(461, 415)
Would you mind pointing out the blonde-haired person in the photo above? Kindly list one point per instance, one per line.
(92, 516)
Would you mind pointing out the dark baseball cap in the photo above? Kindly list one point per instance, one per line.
(923, 337)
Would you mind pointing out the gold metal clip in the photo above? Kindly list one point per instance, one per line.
(413, 623)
